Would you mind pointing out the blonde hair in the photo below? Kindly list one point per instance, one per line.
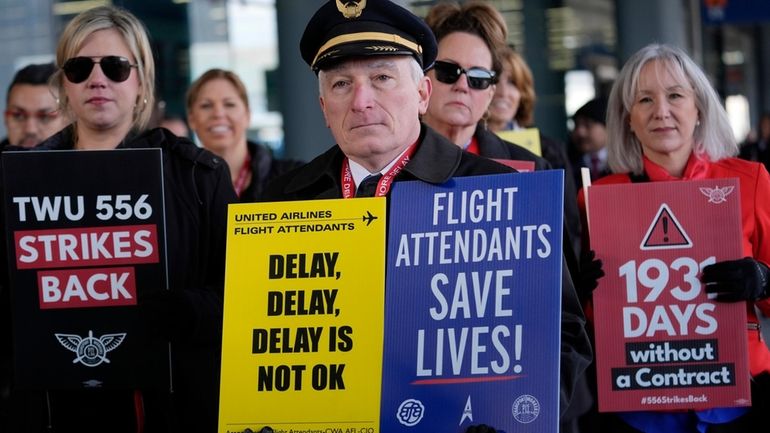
(214, 74)
(135, 36)
(712, 136)
(521, 77)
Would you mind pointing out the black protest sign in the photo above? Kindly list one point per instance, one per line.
(85, 240)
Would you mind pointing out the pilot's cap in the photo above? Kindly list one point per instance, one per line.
(342, 29)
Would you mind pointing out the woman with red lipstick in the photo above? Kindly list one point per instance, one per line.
(218, 112)
(665, 123)
(105, 83)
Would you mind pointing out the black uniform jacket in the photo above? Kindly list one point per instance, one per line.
(198, 189)
(436, 160)
(264, 168)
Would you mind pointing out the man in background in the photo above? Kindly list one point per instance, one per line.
(31, 110)
(590, 140)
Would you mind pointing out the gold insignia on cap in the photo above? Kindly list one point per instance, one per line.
(366, 36)
(381, 48)
(351, 8)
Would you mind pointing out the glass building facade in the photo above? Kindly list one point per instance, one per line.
(574, 47)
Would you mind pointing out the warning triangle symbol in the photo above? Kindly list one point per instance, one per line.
(665, 232)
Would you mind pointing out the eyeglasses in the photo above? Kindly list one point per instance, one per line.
(449, 73)
(21, 116)
(116, 68)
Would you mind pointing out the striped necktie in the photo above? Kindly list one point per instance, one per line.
(368, 186)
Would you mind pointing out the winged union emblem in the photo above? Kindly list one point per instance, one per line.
(351, 8)
(90, 351)
(717, 194)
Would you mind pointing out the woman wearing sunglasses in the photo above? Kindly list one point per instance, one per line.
(464, 77)
(106, 83)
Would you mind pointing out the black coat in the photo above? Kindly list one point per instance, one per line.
(264, 168)
(756, 150)
(198, 189)
(436, 160)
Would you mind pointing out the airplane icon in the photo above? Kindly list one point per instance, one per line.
(368, 218)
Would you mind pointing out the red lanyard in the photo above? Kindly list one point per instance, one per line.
(383, 186)
(240, 182)
(473, 146)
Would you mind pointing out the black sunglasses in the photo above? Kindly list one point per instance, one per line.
(116, 68)
(449, 73)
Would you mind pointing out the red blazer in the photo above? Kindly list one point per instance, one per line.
(755, 215)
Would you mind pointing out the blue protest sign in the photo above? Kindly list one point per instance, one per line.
(473, 304)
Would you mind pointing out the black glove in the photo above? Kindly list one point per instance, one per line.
(590, 272)
(481, 428)
(737, 280)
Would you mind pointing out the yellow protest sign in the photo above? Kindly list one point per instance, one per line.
(303, 316)
(527, 138)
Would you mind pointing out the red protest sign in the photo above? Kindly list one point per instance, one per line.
(518, 165)
(662, 343)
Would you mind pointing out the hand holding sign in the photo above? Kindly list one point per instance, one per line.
(590, 272)
(737, 280)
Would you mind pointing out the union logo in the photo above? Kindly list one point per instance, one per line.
(90, 351)
(410, 412)
(525, 409)
(717, 194)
